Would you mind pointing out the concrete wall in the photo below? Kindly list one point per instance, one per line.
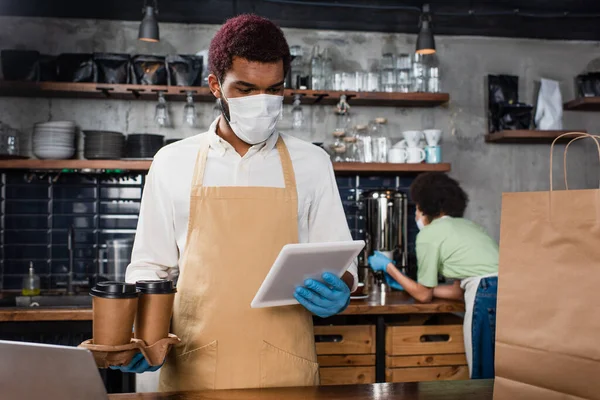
(484, 170)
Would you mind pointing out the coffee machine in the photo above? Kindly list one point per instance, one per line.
(386, 231)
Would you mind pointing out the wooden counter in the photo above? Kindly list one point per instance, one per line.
(443, 390)
(45, 314)
(388, 303)
(400, 303)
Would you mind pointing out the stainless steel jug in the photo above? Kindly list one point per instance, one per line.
(386, 226)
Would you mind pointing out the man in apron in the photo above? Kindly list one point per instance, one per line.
(218, 207)
(457, 249)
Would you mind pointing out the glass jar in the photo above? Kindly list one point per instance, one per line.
(387, 61)
(403, 81)
(360, 79)
(380, 138)
(297, 67)
(338, 148)
(364, 144)
(418, 77)
(433, 80)
(327, 70)
(373, 82)
(403, 62)
(388, 80)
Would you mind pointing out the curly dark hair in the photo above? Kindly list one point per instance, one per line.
(435, 193)
(250, 37)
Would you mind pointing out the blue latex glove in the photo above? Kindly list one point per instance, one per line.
(392, 282)
(326, 298)
(137, 365)
(378, 262)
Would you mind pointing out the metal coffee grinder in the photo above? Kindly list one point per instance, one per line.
(386, 231)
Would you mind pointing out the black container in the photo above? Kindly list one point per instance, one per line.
(114, 290)
(48, 68)
(76, 68)
(143, 145)
(588, 85)
(184, 70)
(20, 65)
(161, 286)
(149, 70)
(112, 68)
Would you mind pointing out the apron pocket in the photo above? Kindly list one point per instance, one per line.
(197, 368)
(279, 368)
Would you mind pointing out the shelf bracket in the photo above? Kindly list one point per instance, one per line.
(319, 97)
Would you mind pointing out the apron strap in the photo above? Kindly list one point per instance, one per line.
(286, 164)
(284, 156)
(200, 166)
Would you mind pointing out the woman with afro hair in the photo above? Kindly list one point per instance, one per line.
(459, 250)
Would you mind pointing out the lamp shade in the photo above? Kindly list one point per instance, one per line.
(149, 26)
(425, 40)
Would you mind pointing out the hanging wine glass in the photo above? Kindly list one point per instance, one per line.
(161, 115)
(297, 113)
(189, 111)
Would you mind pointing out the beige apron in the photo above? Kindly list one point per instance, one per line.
(234, 236)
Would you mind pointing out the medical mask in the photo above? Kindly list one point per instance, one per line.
(420, 223)
(253, 118)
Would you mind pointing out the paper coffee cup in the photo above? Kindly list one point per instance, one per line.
(114, 307)
(155, 308)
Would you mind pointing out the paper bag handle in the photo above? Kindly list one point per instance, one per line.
(580, 135)
(595, 137)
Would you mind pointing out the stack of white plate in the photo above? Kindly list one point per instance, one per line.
(54, 140)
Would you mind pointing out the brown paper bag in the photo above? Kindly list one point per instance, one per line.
(548, 321)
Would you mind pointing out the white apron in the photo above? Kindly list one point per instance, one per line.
(470, 286)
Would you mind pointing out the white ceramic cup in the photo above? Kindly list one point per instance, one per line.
(432, 136)
(397, 156)
(415, 155)
(412, 138)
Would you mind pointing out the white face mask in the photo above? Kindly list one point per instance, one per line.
(420, 223)
(253, 118)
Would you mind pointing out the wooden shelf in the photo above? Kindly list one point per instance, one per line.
(583, 104)
(381, 168)
(79, 165)
(528, 136)
(144, 165)
(145, 92)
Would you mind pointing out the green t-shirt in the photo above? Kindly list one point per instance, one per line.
(456, 248)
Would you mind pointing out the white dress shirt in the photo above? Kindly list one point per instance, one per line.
(160, 238)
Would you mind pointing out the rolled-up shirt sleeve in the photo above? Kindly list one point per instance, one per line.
(155, 254)
(327, 220)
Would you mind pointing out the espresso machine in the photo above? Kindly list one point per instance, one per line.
(385, 212)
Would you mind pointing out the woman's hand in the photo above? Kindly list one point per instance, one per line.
(379, 262)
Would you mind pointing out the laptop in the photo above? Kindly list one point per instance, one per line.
(40, 371)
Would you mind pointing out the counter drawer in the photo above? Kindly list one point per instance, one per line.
(347, 375)
(423, 340)
(348, 360)
(345, 339)
(430, 360)
(424, 374)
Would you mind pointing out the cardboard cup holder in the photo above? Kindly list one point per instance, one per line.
(114, 356)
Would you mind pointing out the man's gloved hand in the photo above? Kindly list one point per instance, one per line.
(137, 365)
(392, 282)
(378, 262)
(324, 299)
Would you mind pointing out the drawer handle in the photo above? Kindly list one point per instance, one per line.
(329, 338)
(435, 338)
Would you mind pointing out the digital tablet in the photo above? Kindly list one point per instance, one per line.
(298, 262)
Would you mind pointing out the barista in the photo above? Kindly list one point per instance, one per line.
(217, 209)
(457, 249)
